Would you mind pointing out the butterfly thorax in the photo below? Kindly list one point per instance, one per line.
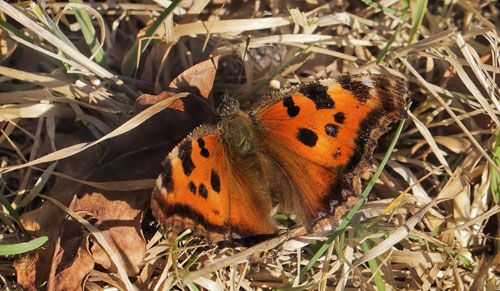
(238, 133)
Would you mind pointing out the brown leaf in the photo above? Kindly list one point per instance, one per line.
(200, 76)
(119, 220)
(71, 263)
(147, 99)
(198, 80)
(26, 270)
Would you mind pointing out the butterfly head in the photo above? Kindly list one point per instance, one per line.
(228, 107)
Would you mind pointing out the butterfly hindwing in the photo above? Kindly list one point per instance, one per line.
(322, 134)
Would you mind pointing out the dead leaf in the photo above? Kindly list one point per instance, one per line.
(148, 99)
(26, 270)
(119, 220)
(200, 76)
(197, 79)
(71, 263)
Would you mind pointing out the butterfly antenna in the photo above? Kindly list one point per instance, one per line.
(244, 57)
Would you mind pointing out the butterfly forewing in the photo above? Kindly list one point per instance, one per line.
(322, 135)
(201, 189)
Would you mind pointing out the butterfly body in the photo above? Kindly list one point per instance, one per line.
(302, 147)
(238, 134)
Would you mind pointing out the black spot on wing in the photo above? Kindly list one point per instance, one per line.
(215, 181)
(192, 187)
(339, 117)
(337, 153)
(360, 90)
(318, 94)
(167, 181)
(203, 152)
(291, 110)
(307, 137)
(202, 190)
(331, 130)
(185, 150)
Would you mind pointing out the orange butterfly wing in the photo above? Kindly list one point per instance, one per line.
(305, 144)
(322, 135)
(203, 189)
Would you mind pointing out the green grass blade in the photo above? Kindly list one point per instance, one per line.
(19, 248)
(387, 47)
(45, 19)
(417, 15)
(385, 9)
(366, 245)
(6, 204)
(88, 31)
(15, 31)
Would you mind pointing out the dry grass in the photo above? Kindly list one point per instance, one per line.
(431, 219)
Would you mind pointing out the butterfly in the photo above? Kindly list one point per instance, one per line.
(301, 148)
